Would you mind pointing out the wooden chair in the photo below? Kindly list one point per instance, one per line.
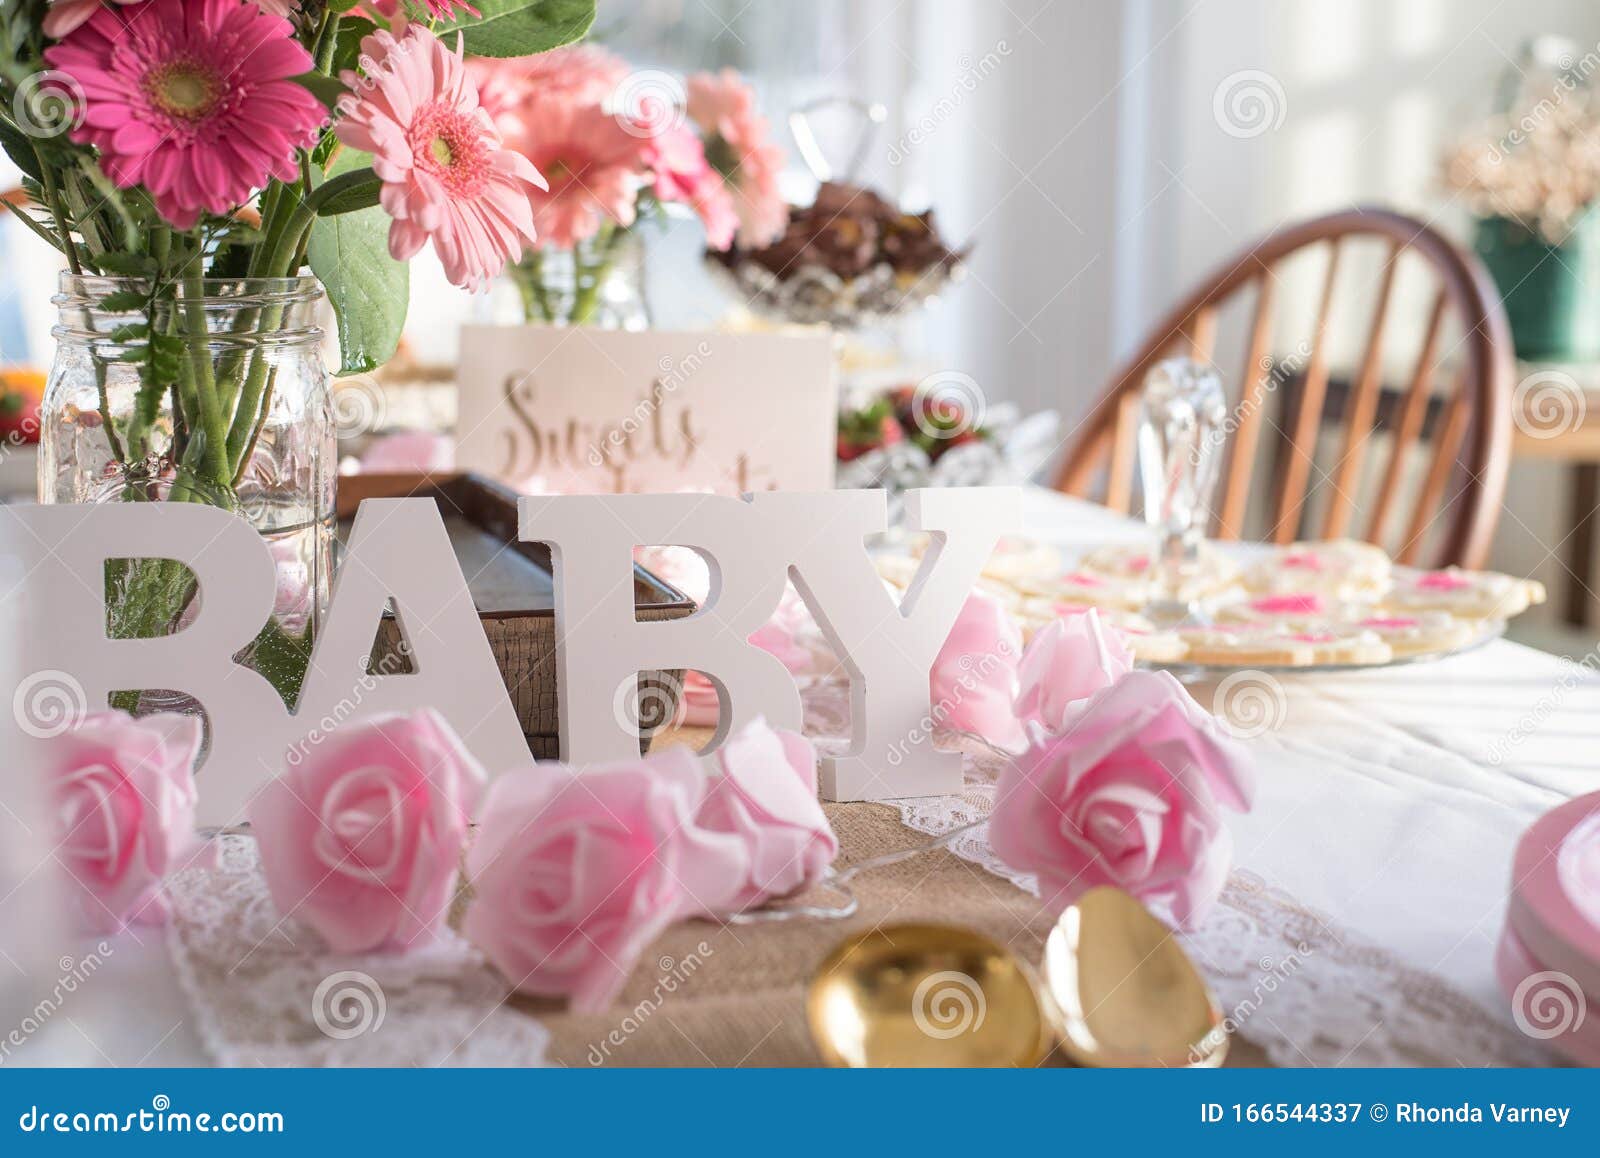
(1469, 430)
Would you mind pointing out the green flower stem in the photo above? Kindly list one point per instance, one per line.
(214, 459)
(117, 450)
(528, 276)
(52, 198)
(591, 274)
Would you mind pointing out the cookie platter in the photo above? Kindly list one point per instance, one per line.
(1334, 605)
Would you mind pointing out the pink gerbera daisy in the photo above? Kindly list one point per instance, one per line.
(446, 175)
(596, 165)
(65, 15)
(580, 73)
(738, 143)
(191, 99)
(682, 174)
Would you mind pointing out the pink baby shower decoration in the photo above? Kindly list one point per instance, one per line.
(545, 536)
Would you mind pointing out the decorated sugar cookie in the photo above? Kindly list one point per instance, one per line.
(1342, 645)
(1214, 572)
(1303, 609)
(1465, 594)
(897, 570)
(1016, 558)
(1147, 642)
(1246, 646)
(1417, 633)
(1089, 590)
(1342, 568)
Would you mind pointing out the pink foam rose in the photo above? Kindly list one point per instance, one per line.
(1302, 604)
(1083, 579)
(1303, 561)
(1127, 794)
(361, 836)
(1067, 662)
(123, 791)
(974, 678)
(765, 793)
(575, 872)
(1443, 581)
(1394, 622)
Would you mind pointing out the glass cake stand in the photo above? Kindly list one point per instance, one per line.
(1189, 671)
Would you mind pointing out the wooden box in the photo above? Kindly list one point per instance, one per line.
(512, 586)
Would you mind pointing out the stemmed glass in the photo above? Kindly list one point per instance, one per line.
(1182, 426)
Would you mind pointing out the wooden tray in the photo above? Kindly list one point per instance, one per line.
(512, 586)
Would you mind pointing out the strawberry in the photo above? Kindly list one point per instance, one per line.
(867, 429)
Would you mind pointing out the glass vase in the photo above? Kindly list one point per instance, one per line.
(598, 282)
(203, 391)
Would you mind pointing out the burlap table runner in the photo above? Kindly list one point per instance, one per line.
(715, 995)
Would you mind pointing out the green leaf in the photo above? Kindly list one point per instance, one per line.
(347, 48)
(126, 264)
(352, 198)
(20, 149)
(326, 89)
(520, 27)
(123, 302)
(368, 289)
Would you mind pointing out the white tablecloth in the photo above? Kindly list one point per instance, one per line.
(1389, 801)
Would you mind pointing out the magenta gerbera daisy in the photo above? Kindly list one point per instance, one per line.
(191, 99)
(446, 175)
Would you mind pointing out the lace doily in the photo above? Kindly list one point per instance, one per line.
(264, 993)
(1291, 982)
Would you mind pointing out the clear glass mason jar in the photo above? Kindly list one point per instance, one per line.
(206, 390)
(598, 282)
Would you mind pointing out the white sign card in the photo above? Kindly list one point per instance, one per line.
(587, 411)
